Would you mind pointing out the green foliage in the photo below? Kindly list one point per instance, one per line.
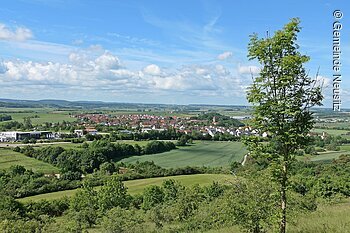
(113, 194)
(19, 182)
(92, 156)
(107, 168)
(118, 220)
(152, 196)
(254, 204)
(53, 208)
(85, 198)
(182, 140)
(220, 119)
(4, 117)
(171, 189)
(282, 95)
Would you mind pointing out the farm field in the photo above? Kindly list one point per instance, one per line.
(9, 158)
(42, 115)
(137, 186)
(334, 132)
(202, 153)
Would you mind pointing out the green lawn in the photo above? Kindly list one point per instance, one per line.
(137, 186)
(9, 158)
(202, 153)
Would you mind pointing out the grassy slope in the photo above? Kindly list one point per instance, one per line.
(326, 219)
(136, 186)
(9, 158)
(200, 154)
(327, 156)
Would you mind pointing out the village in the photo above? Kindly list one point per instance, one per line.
(135, 123)
(146, 122)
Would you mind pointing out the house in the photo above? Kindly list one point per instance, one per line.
(91, 131)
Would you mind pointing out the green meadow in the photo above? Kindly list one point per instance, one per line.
(10, 158)
(201, 153)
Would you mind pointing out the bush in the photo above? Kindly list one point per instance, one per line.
(122, 220)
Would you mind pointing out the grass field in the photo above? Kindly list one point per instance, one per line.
(44, 115)
(9, 158)
(334, 132)
(137, 186)
(202, 153)
(327, 156)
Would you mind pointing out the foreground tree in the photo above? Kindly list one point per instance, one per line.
(282, 95)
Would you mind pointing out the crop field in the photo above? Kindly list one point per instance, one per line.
(137, 186)
(37, 115)
(202, 153)
(334, 132)
(9, 158)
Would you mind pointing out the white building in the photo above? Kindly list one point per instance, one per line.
(8, 136)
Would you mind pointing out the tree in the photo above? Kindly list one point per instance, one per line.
(112, 194)
(282, 95)
(27, 122)
(252, 204)
(152, 196)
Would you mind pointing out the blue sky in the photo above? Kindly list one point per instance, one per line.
(153, 51)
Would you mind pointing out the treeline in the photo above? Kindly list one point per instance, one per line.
(170, 134)
(4, 117)
(90, 156)
(329, 142)
(12, 125)
(18, 182)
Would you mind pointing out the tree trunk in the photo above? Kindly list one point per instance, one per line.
(283, 222)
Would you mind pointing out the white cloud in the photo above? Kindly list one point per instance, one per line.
(152, 70)
(248, 69)
(78, 58)
(102, 73)
(3, 68)
(18, 34)
(225, 55)
(107, 61)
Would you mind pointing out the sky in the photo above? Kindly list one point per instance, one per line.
(173, 52)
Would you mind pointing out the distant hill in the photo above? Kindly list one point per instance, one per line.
(13, 103)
